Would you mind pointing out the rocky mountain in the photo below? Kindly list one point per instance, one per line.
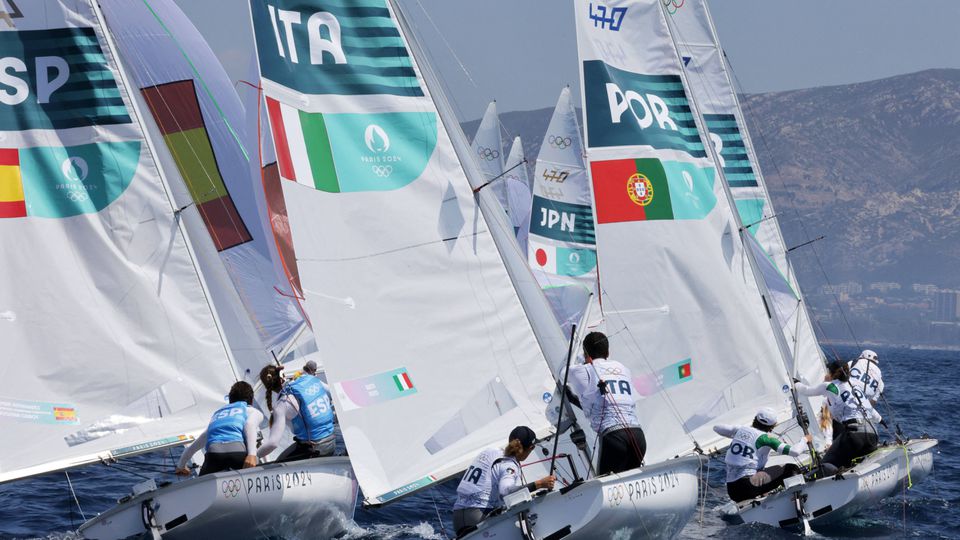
(874, 167)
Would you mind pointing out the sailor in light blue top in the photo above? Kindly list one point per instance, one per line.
(305, 404)
(230, 440)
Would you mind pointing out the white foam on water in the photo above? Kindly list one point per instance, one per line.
(385, 531)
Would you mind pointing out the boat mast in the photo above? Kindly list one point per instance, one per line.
(751, 152)
(782, 345)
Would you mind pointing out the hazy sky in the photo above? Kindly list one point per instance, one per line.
(522, 52)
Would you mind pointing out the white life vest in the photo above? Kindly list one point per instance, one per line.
(617, 407)
(866, 377)
(748, 452)
(848, 403)
(479, 487)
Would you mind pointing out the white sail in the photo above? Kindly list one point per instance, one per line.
(516, 180)
(112, 346)
(199, 117)
(487, 146)
(431, 354)
(677, 289)
(562, 245)
(712, 87)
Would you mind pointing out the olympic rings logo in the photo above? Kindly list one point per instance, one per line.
(613, 371)
(383, 171)
(488, 154)
(673, 5)
(560, 142)
(231, 488)
(77, 196)
(615, 495)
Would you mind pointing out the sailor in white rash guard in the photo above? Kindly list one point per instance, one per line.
(494, 474)
(854, 414)
(746, 457)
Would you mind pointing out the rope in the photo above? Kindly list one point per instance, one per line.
(706, 484)
(74, 493)
(436, 508)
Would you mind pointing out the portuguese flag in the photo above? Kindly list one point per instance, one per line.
(631, 190)
(684, 370)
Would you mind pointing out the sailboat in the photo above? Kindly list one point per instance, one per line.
(561, 248)
(892, 466)
(437, 339)
(115, 296)
(507, 177)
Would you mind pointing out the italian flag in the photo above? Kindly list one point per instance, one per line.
(402, 380)
(303, 147)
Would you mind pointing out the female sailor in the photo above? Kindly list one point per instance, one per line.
(230, 440)
(747, 455)
(853, 413)
(494, 474)
(305, 405)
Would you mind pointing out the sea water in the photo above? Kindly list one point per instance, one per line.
(922, 389)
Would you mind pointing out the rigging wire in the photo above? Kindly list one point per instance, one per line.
(74, 493)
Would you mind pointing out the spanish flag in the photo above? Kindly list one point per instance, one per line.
(12, 203)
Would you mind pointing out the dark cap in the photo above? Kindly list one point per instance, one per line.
(525, 435)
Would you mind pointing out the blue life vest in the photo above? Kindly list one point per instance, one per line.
(226, 425)
(315, 420)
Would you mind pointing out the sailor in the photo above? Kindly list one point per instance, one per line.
(305, 404)
(230, 440)
(854, 413)
(747, 478)
(865, 375)
(605, 391)
(494, 474)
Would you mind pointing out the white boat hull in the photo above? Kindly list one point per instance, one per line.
(317, 496)
(651, 502)
(829, 500)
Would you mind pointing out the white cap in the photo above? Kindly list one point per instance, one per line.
(867, 354)
(767, 416)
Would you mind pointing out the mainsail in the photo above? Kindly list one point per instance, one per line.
(199, 117)
(431, 353)
(112, 344)
(711, 84)
(677, 289)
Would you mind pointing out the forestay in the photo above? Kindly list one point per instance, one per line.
(677, 289)
(712, 87)
(198, 116)
(112, 348)
(425, 340)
